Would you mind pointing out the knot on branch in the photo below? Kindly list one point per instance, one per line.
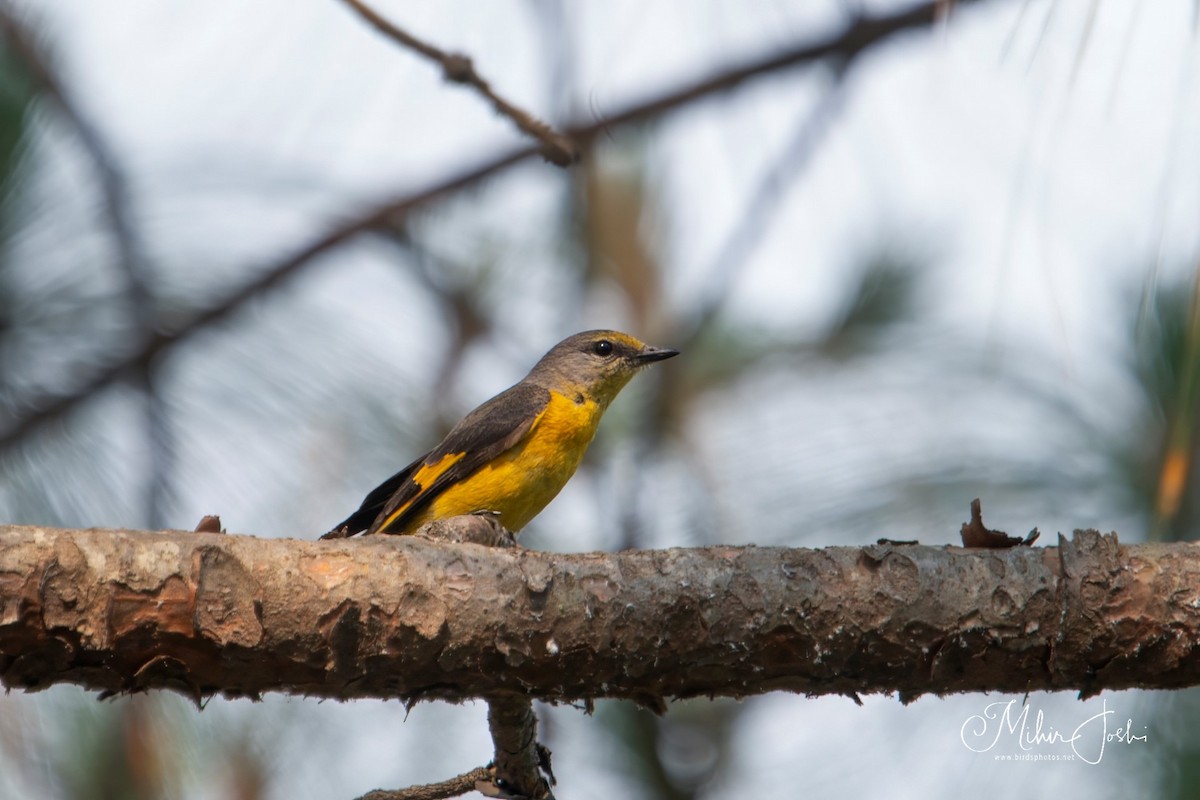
(458, 68)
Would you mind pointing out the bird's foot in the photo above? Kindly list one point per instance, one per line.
(481, 527)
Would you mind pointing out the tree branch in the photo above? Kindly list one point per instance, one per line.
(123, 611)
(454, 787)
(518, 758)
(856, 39)
(458, 68)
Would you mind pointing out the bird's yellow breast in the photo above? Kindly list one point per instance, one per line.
(519, 483)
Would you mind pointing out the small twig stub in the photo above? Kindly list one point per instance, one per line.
(976, 534)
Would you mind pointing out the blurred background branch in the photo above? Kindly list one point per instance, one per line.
(24, 44)
(860, 35)
(458, 68)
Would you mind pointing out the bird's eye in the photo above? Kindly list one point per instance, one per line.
(602, 348)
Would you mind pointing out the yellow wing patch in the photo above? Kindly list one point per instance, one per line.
(423, 478)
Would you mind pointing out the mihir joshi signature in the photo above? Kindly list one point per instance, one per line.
(982, 732)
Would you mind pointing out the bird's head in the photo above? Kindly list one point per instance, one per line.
(596, 364)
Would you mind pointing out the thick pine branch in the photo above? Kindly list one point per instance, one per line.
(406, 617)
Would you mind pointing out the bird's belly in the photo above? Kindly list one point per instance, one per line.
(520, 483)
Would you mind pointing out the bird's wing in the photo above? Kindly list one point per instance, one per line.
(373, 503)
(494, 427)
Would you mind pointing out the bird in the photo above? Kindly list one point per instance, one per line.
(513, 454)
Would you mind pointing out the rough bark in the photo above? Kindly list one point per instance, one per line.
(519, 759)
(406, 617)
(454, 787)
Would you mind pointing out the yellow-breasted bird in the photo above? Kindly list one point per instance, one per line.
(513, 454)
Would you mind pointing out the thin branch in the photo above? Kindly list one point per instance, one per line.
(855, 40)
(518, 757)
(410, 618)
(861, 35)
(458, 68)
(52, 407)
(454, 787)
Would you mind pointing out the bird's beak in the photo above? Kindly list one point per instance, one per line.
(649, 355)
